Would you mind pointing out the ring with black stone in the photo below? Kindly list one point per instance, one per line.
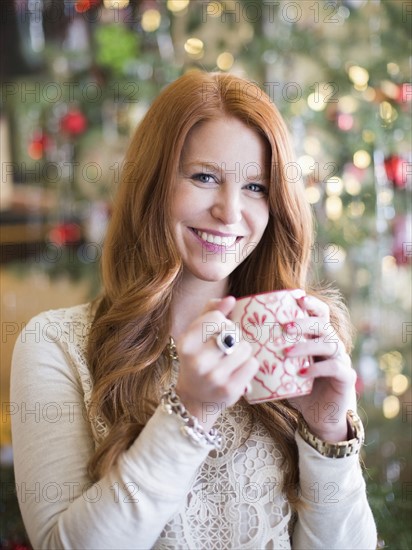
(226, 342)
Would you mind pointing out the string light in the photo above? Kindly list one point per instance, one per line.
(361, 159)
(225, 61)
(359, 77)
(393, 68)
(387, 112)
(116, 4)
(334, 186)
(312, 194)
(390, 406)
(400, 384)
(214, 9)
(316, 102)
(333, 207)
(176, 6)
(194, 47)
(391, 362)
(352, 185)
(151, 20)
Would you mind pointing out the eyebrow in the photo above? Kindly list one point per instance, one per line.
(215, 168)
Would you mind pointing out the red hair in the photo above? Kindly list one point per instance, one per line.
(141, 265)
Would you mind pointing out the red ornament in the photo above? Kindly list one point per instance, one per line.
(404, 93)
(38, 145)
(74, 123)
(395, 168)
(402, 240)
(85, 5)
(345, 122)
(65, 233)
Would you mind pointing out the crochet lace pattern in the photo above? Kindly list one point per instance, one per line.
(235, 500)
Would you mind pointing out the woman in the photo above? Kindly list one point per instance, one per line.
(205, 172)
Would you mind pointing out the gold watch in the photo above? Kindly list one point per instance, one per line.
(341, 448)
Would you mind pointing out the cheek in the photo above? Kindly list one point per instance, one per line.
(178, 208)
(262, 219)
(185, 205)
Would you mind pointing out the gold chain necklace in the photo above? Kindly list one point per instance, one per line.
(172, 350)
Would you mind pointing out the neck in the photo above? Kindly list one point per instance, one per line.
(189, 300)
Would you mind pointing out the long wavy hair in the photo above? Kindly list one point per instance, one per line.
(141, 266)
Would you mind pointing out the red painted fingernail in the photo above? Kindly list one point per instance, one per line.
(290, 327)
(288, 349)
(303, 371)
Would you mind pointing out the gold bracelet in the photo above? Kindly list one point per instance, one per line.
(341, 448)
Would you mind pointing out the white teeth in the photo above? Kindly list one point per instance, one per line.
(215, 239)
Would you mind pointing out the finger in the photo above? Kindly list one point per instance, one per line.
(237, 379)
(319, 348)
(225, 305)
(330, 368)
(309, 327)
(314, 306)
(242, 376)
(213, 358)
(203, 329)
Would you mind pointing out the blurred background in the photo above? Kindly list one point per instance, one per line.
(76, 78)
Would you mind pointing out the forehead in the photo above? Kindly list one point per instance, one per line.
(226, 141)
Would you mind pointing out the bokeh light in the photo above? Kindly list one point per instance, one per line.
(151, 20)
(361, 159)
(390, 406)
(176, 6)
(225, 61)
(194, 47)
(333, 207)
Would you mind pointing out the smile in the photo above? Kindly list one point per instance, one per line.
(219, 240)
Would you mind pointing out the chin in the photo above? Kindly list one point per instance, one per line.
(211, 275)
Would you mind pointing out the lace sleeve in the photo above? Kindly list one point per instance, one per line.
(75, 325)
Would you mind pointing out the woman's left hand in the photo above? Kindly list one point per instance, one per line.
(333, 392)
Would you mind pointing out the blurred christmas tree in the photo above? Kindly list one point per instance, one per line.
(339, 72)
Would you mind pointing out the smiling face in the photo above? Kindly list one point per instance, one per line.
(220, 207)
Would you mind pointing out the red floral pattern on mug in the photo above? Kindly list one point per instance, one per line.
(262, 320)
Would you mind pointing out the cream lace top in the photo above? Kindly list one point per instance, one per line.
(164, 492)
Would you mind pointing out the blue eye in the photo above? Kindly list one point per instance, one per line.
(257, 188)
(204, 178)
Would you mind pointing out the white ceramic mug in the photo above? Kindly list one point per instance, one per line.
(261, 319)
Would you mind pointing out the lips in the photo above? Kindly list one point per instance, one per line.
(219, 240)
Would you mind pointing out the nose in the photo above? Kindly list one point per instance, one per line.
(227, 206)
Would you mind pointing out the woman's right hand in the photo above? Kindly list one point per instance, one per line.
(209, 381)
